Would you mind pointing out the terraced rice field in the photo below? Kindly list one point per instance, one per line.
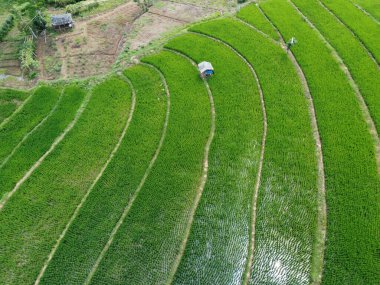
(267, 172)
(10, 100)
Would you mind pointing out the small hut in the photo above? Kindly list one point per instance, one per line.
(205, 69)
(62, 21)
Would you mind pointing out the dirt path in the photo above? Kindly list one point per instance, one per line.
(40, 51)
(52, 147)
(142, 182)
(361, 101)
(203, 178)
(33, 130)
(348, 28)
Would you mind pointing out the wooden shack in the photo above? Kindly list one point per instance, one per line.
(62, 21)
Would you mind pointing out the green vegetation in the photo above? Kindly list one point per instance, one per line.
(286, 209)
(10, 100)
(51, 194)
(251, 14)
(352, 180)
(6, 26)
(62, 3)
(364, 71)
(31, 114)
(233, 165)
(81, 7)
(26, 55)
(233, 180)
(370, 6)
(40, 141)
(118, 184)
(363, 26)
(147, 242)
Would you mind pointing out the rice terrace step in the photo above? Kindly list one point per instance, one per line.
(190, 142)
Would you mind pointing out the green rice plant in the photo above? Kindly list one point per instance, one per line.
(40, 141)
(370, 6)
(31, 114)
(147, 243)
(90, 232)
(10, 100)
(233, 165)
(253, 15)
(364, 71)
(363, 26)
(6, 26)
(6, 109)
(286, 215)
(35, 216)
(352, 180)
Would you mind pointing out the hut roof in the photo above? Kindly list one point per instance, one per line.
(63, 19)
(204, 65)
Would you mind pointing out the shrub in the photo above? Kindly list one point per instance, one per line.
(79, 7)
(26, 55)
(6, 26)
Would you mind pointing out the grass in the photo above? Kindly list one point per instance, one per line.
(363, 26)
(371, 6)
(57, 186)
(90, 231)
(103, 7)
(253, 15)
(147, 243)
(364, 71)
(39, 142)
(287, 204)
(233, 165)
(31, 114)
(10, 100)
(352, 181)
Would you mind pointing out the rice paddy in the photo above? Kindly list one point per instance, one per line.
(267, 172)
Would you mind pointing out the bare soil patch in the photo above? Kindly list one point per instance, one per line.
(161, 18)
(90, 48)
(96, 41)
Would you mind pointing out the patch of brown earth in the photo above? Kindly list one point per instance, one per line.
(161, 18)
(90, 48)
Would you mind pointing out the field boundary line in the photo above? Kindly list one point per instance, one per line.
(366, 12)
(362, 104)
(51, 112)
(84, 198)
(142, 182)
(204, 175)
(51, 149)
(19, 108)
(257, 30)
(247, 272)
(320, 242)
(370, 54)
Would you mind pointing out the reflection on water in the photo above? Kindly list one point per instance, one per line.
(284, 230)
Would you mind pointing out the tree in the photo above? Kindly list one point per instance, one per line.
(144, 4)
